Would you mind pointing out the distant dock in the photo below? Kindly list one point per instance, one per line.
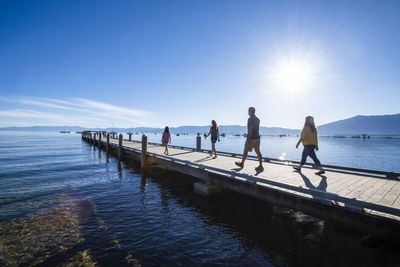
(364, 200)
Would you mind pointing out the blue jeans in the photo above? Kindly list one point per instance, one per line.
(309, 151)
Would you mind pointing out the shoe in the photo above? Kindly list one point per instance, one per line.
(297, 168)
(239, 164)
(320, 172)
(215, 157)
(260, 168)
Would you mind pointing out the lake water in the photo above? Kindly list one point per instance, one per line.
(64, 202)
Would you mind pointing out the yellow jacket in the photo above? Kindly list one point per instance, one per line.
(308, 137)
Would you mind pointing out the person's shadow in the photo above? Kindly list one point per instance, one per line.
(322, 184)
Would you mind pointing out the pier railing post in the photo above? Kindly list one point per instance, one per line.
(120, 146)
(144, 151)
(130, 137)
(108, 142)
(198, 143)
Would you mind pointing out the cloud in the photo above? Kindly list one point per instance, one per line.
(78, 111)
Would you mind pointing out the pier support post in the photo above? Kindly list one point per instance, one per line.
(130, 137)
(144, 151)
(198, 143)
(100, 141)
(108, 143)
(90, 138)
(120, 147)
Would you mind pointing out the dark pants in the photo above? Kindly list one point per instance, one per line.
(309, 151)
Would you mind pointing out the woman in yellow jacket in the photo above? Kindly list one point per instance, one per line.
(309, 139)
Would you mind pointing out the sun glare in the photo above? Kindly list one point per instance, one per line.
(292, 77)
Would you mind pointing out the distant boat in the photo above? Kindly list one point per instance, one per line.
(66, 132)
(223, 134)
(245, 135)
(237, 134)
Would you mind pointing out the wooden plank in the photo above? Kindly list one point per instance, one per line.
(369, 192)
(391, 196)
(381, 193)
(347, 190)
(397, 201)
(358, 190)
(341, 181)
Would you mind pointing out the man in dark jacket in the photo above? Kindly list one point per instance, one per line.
(253, 139)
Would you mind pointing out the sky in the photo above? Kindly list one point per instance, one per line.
(157, 63)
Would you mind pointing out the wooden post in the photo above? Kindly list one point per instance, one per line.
(108, 142)
(198, 143)
(130, 137)
(90, 136)
(120, 146)
(100, 140)
(144, 150)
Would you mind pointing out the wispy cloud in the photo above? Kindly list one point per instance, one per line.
(76, 111)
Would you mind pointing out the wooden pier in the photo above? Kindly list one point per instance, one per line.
(365, 200)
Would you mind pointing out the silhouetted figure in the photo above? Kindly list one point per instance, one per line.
(165, 139)
(253, 140)
(309, 138)
(214, 132)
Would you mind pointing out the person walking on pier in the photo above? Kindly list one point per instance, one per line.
(214, 137)
(166, 138)
(253, 140)
(309, 138)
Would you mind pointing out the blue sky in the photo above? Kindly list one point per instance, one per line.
(156, 63)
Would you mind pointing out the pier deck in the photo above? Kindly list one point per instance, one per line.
(365, 202)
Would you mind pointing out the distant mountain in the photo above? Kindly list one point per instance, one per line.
(234, 129)
(227, 129)
(44, 128)
(371, 125)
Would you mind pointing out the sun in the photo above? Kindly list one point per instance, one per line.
(292, 76)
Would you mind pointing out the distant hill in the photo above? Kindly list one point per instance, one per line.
(372, 125)
(228, 129)
(44, 128)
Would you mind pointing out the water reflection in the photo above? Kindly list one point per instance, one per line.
(285, 237)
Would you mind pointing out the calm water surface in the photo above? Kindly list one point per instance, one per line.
(64, 202)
